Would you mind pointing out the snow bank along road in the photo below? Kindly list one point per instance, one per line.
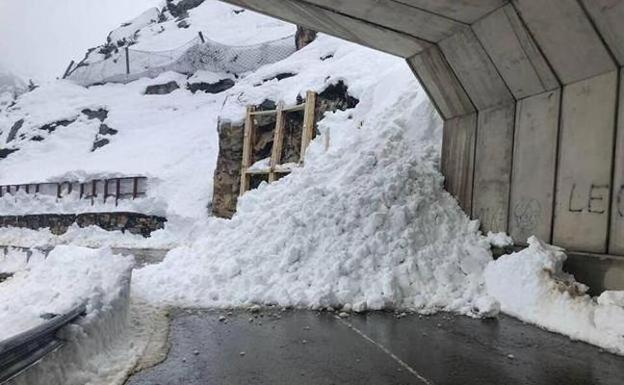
(298, 347)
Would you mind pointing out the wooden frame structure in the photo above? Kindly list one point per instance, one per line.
(275, 167)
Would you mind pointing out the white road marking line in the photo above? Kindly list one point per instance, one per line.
(388, 352)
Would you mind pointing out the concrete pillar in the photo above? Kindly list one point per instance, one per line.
(490, 201)
(495, 121)
(585, 163)
(534, 165)
(616, 235)
(460, 124)
(458, 150)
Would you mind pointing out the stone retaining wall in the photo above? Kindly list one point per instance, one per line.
(58, 224)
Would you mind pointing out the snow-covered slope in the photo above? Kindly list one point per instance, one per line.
(11, 86)
(170, 138)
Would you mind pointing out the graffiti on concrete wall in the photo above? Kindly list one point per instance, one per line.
(528, 215)
(592, 200)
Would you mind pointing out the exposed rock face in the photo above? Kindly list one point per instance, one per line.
(105, 130)
(180, 8)
(53, 126)
(211, 88)
(227, 173)
(14, 130)
(58, 224)
(4, 152)
(304, 37)
(99, 143)
(279, 77)
(162, 89)
(100, 114)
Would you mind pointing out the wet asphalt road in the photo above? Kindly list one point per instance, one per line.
(299, 347)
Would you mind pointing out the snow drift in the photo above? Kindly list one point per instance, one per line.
(531, 286)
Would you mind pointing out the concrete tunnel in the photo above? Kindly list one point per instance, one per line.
(530, 93)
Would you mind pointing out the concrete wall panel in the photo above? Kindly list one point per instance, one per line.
(585, 162)
(345, 27)
(467, 11)
(616, 237)
(391, 14)
(441, 83)
(608, 16)
(534, 163)
(475, 70)
(458, 157)
(514, 53)
(490, 203)
(567, 38)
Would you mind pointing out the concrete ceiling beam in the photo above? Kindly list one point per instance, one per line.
(567, 38)
(608, 16)
(333, 23)
(465, 11)
(514, 53)
(396, 16)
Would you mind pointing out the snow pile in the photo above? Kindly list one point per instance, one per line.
(96, 237)
(531, 286)
(366, 225)
(68, 277)
(14, 259)
(98, 347)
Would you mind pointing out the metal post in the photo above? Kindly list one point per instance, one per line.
(67, 71)
(127, 61)
(201, 36)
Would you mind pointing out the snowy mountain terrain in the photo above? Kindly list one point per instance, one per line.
(365, 225)
(11, 86)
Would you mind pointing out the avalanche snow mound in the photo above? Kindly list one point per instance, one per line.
(68, 277)
(366, 225)
(531, 286)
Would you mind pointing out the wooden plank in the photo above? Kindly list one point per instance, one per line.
(475, 70)
(458, 148)
(493, 160)
(534, 164)
(308, 123)
(339, 25)
(585, 161)
(263, 113)
(278, 141)
(441, 84)
(248, 140)
(514, 53)
(258, 171)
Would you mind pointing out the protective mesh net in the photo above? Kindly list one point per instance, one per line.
(186, 59)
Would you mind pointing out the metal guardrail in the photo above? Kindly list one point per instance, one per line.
(117, 189)
(26, 349)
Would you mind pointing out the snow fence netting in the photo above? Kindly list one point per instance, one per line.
(131, 64)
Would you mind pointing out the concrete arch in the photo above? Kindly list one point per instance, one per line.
(530, 94)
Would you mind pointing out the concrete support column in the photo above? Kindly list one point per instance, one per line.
(534, 166)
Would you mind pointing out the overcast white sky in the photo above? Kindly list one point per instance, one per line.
(38, 38)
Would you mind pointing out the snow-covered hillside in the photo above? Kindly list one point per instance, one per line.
(11, 86)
